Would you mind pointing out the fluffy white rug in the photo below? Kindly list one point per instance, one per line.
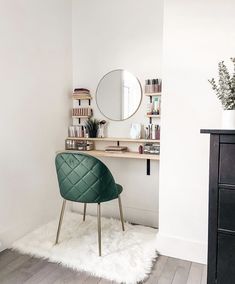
(126, 256)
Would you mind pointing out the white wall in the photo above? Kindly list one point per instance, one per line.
(124, 34)
(197, 35)
(35, 72)
(35, 85)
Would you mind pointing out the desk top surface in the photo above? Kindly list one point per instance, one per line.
(218, 131)
(128, 155)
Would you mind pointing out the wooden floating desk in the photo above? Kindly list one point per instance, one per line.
(126, 155)
(123, 155)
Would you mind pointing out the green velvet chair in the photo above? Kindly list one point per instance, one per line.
(85, 179)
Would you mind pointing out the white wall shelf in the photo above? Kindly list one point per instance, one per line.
(153, 115)
(81, 97)
(115, 139)
(153, 94)
(81, 116)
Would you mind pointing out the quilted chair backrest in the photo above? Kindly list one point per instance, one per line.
(83, 178)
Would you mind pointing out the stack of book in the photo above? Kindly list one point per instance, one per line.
(116, 149)
(81, 92)
(82, 111)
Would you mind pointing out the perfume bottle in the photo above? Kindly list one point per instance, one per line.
(155, 106)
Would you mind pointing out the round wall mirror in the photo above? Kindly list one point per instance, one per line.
(118, 95)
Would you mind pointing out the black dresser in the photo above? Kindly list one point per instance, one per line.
(221, 235)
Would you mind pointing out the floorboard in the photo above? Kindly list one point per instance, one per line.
(71, 277)
(12, 267)
(204, 275)
(17, 268)
(169, 271)
(6, 257)
(182, 272)
(92, 280)
(195, 274)
(42, 274)
(23, 272)
(157, 270)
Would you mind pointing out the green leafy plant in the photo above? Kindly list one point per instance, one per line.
(225, 89)
(92, 126)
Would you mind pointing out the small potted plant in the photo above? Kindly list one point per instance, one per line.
(92, 126)
(225, 91)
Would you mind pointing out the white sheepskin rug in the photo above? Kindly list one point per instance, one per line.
(127, 257)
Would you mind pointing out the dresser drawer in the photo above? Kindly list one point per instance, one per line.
(226, 259)
(227, 209)
(227, 164)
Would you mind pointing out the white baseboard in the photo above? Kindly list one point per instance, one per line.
(182, 248)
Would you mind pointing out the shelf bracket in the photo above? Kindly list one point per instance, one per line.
(148, 167)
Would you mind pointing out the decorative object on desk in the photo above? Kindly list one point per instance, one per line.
(101, 129)
(78, 131)
(156, 106)
(116, 149)
(118, 95)
(157, 135)
(81, 131)
(127, 258)
(92, 126)
(149, 108)
(152, 148)
(135, 132)
(225, 91)
(70, 145)
(82, 111)
(148, 86)
(152, 131)
(81, 92)
(153, 86)
(81, 145)
(141, 149)
(85, 145)
(71, 131)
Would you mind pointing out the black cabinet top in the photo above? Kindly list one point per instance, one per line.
(218, 131)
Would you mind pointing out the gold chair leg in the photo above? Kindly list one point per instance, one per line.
(121, 212)
(84, 212)
(60, 222)
(99, 227)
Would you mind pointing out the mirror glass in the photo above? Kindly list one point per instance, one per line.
(118, 95)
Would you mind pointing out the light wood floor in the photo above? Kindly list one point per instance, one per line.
(16, 268)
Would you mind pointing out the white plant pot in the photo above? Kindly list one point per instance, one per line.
(228, 119)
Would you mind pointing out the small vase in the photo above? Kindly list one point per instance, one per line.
(135, 132)
(228, 119)
(101, 131)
